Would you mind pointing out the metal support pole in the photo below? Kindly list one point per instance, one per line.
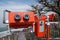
(3, 38)
(8, 37)
(48, 32)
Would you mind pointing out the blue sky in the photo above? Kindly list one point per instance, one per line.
(16, 4)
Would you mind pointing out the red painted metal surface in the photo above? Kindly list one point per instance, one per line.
(38, 32)
(51, 17)
(21, 23)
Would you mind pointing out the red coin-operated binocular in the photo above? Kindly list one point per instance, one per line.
(26, 19)
(20, 19)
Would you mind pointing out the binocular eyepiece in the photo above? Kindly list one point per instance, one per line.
(17, 17)
(26, 17)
